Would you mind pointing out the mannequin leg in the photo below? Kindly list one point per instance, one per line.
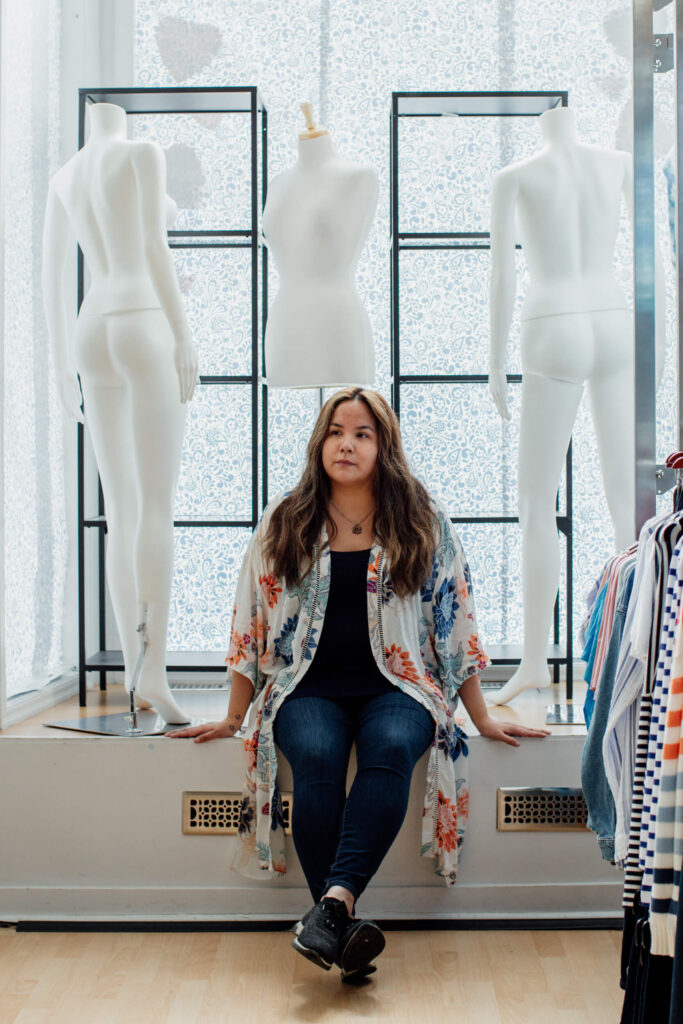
(612, 408)
(142, 345)
(549, 409)
(107, 416)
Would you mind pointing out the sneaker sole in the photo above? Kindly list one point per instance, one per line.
(365, 944)
(358, 977)
(311, 954)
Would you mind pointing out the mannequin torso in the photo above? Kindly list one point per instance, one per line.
(95, 188)
(316, 220)
(568, 206)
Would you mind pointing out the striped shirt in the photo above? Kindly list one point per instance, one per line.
(669, 825)
(660, 700)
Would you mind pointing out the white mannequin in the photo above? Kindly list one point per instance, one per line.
(137, 365)
(576, 328)
(317, 217)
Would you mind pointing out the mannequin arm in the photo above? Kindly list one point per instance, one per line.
(503, 282)
(150, 171)
(660, 282)
(56, 237)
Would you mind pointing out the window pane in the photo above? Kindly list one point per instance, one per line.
(216, 287)
(494, 553)
(206, 568)
(208, 166)
(446, 165)
(216, 470)
(459, 446)
(291, 417)
(444, 312)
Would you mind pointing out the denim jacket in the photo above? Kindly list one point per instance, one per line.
(596, 790)
(425, 644)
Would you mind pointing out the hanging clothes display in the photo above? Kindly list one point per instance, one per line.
(632, 766)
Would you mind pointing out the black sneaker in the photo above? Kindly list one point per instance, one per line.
(360, 944)
(297, 927)
(323, 927)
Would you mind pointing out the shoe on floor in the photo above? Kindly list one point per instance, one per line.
(297, 927)
(323, 928)
(360, 944)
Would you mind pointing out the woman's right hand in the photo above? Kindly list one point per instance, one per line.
(208, 731)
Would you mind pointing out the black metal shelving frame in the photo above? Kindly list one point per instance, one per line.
(472, 104)
(245, 101)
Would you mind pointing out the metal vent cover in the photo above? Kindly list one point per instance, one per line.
(541, 809)
(218, 814)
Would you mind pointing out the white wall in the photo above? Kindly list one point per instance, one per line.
(91, 828)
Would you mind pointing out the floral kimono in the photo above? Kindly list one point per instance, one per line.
(425, 644)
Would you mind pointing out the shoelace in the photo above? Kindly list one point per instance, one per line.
(337, 912)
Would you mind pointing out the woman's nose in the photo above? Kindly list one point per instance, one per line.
(346, 444)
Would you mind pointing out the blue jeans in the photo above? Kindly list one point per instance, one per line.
(340, 840)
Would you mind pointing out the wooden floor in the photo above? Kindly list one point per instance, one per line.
(468, 977)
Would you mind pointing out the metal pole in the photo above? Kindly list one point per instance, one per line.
(395, 351)
(81, 467)
(644, 259)
(255, 331)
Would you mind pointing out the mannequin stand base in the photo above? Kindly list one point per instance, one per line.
(144, 723)
(564, 714)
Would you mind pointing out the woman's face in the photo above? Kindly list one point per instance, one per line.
(351, 446)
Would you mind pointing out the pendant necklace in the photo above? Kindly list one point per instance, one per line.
(355, 527)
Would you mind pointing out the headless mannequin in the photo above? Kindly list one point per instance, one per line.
(316, 219)
(576, 328)
(137, 365)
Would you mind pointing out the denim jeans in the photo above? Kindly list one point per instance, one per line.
(342, 840)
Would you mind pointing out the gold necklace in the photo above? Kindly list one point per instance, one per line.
(355, 527)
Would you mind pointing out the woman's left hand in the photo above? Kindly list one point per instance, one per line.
(505, 732)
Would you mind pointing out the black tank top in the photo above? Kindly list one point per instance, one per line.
(343, 664)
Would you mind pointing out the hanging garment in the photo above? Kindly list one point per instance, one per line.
(668, 829)
(659, 546)
(656, 740)
(609, 609)
(626, 728)
(596, 789)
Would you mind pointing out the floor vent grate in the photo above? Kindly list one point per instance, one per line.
(218, 814)
(541, 809)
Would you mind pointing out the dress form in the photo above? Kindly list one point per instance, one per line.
(576, 329)
(137, 365)
(316, 220)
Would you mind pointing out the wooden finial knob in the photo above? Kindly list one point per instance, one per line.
(307, 111)
(312, 130)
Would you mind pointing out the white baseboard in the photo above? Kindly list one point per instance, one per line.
(19, 708)
(272, 901)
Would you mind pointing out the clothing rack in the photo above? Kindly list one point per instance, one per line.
(632, 756)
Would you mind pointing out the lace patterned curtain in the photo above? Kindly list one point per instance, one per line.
(35, 537)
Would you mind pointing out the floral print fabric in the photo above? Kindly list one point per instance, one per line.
(426, 645)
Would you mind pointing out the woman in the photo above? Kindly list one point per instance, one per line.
(354, 622)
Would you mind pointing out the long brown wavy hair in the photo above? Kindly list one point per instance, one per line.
(405, 522)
